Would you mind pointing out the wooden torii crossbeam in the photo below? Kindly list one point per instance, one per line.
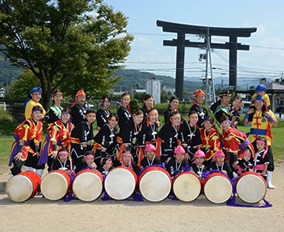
(181, 43)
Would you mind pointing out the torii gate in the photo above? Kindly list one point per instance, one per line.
(181, 43)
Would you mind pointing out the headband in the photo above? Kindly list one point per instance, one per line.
(91, 113)
(36, 109)
(89, 156)
(246, 153)
(65, 112)
(175, 116)
(153, 112)
(126, 96)
(108, 162)
(192, 115)
(260, 141)
(126, 154)
(63, 153)
(113, 118)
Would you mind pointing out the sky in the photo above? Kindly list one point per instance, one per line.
(264, 59)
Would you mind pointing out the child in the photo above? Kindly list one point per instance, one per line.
(89, 160)
(169, 135)
(236, 110)
(78, 108)
(105, 140)
(260, 90)
(81, 138)
(103, 113)
(25, 150)
(261, 159)
(177, 163)
(190, 135)
(106, 166)
(150, 157)
(219, 164)
(127, 161)
(33, 100)
(149, 130)
(210, 140)
(173, 107)
(62, 162)
(58, 136)
(197, 106)
(198, 167)
(148, 104)
(129, 132)
(124, 110)
(245, 164)
(54, 112)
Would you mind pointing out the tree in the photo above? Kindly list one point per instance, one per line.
(66, 44)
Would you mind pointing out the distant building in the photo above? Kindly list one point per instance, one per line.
(153, 87)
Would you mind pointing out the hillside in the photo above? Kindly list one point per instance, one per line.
(135, 79)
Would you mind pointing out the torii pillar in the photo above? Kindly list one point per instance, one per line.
(182, 29)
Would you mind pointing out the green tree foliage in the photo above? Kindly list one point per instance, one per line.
(65, 44)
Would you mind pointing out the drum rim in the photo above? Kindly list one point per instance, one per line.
(191, 174)
(255, 175)
(165, 173)
(84, 173)
(29, 180)
(60, 175)
(108, 176)
(226, 178)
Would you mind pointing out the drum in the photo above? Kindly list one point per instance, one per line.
(56, 185)
(155, 183)
(218, 188)
(120, 183)
(251, 187)
(186, 186)
(23, 186)
(88, 185)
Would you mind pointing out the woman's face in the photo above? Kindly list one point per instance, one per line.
(149, 103)
(36, 96)
(125, 101)
(138, 118)
(175, 121)
(193, 119)
(57, 98)
(112, 123)
(153, 117)
(174, 104)
(106, 104)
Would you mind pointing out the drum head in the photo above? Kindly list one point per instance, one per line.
(54, 186)
(120, 183)
(187, 187)
(87, 186)
(251, 188)
(19, 188)
(155, 185)
(218, 189)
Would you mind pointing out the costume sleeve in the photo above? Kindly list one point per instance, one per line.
(24, 132)
(28, 110)
(38, 137)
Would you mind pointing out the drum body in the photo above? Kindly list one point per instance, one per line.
(218, 188)
(186, 186)
(120, 183)
(251, 187)
(88, 185)
(155, 183)
(56, 185)
(23, 186)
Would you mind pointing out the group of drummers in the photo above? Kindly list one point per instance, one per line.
(194, 144)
